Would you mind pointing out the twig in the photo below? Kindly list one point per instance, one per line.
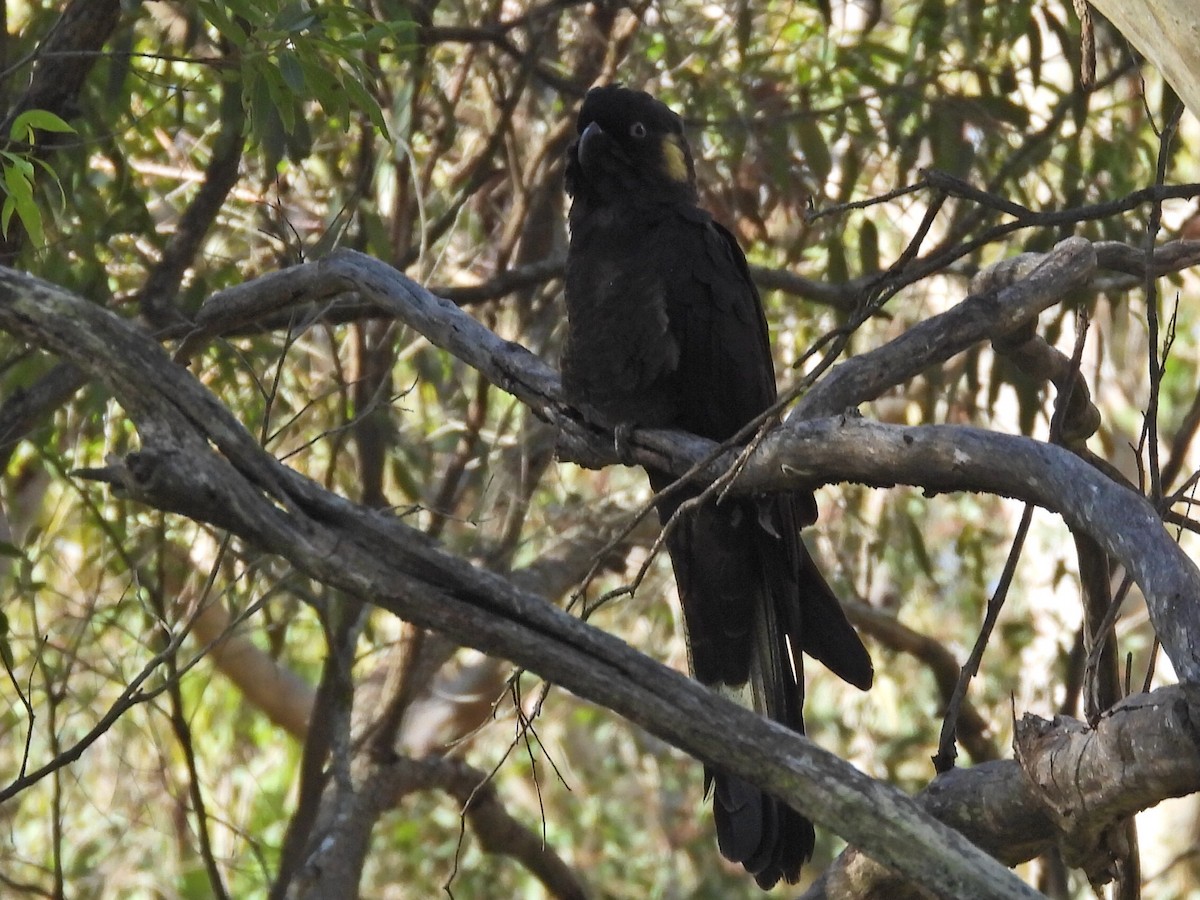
(1149, 438)
(946, 754)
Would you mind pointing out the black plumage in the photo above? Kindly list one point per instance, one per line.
(667, 330)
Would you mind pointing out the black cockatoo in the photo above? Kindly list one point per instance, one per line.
(666, 330)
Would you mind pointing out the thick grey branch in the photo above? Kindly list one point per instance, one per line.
(939, 458)
(1143, 750)
(1071, 785)
(990, 314)
(955, 458)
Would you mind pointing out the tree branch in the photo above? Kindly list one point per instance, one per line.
(943, 458)
(986, 315)
(938, 458)
(157, 295)
(1067, 788)
(382, 785)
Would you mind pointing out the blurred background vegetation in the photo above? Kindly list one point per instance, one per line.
(213, 142)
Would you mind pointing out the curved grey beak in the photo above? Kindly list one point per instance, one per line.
(589, 142)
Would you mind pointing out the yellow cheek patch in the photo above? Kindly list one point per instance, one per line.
(674, 159)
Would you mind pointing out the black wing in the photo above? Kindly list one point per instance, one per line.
(752, 596)
(725, 376)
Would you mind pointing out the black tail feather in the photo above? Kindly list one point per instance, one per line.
(827, 635)
(762, 833)
(752, 600)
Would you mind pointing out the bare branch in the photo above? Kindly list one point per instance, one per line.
(942, 458)
(24, 410)
(333, 869)
(1070, 786)
(938, 458)
(158, 293)
(1145, 747)
(279, 693)
(990, 314)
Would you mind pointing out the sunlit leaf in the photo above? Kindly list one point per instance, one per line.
(25, 125)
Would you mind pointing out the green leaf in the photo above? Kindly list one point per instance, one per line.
(31, 219)
(283, 100)
(1034, 36)
(816, 151)
(18, 163)
(5, 647)
(294, 19)
(868, 247)
(18, 184)
(916, 542)
(299, 140)
(365, 102)
(225, 20)
(838, 272)
(291, 70)
(851, 169)
(53, 176)
(27, 122)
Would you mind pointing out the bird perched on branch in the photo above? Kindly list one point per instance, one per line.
(666, 330)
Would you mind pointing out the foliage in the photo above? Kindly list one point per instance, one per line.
(430, 136)
(19, 170)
